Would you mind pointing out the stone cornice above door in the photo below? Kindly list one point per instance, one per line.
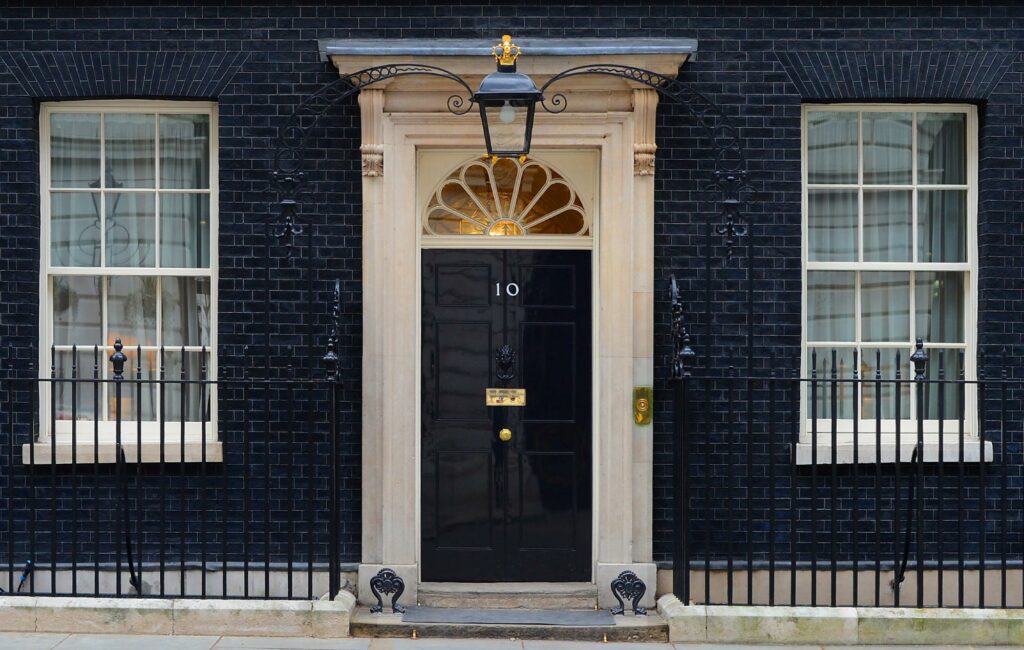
(541, 59)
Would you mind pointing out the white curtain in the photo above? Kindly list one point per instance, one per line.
(832, 147)
(185, 243)
(887, 225)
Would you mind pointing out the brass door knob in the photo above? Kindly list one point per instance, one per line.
(505, 435)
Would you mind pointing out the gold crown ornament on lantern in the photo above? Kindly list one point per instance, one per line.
(507, 52)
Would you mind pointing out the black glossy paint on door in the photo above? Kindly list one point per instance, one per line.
(517, 510)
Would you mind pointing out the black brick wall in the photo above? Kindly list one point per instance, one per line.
(758, 60)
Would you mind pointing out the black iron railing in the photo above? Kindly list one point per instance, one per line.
(845, 485)
(125, 473)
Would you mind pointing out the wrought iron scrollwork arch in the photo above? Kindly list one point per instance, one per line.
(730, 176)
(288, 183)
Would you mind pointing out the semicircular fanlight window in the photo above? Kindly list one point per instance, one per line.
(505, 197)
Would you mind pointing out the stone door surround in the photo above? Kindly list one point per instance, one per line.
(608, 115)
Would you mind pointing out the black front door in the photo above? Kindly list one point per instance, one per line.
(518, 509)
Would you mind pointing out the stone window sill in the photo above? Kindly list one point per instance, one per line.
(87, 453)
(866, 453)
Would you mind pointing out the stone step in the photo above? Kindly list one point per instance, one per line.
(508, 595)
(650, 628)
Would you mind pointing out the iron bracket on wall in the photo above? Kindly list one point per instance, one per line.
(729, 178)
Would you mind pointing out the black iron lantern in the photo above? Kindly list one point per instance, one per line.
(507, 101)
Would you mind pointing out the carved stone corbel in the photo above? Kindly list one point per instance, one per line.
(371, 106)
(643, 159)
(645, 104)
(373, 159)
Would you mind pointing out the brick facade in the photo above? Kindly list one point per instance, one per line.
(759, 61)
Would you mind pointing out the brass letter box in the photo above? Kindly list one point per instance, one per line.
(506, 396)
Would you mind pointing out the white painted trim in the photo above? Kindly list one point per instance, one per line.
(130, 430)
(969, 268)
(391, 357)
(867, 451)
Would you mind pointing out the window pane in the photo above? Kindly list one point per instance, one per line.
(76, 403)
(569, 222)
(131, 229)
(942, 226)
(76, 310)
(942, 148)
(887, 138)
(135, 395)
(186, 311)
(185, 151)
(944, 365)
(832, 147)
(830, 305)
(884, 360)
(131, 310)
(130, 145)
(506, 126)
(75, 229)
(832, 225)
(939, 303)
(885, 305)
(185, 230)
(75, 150)
(822, 390)
(887, 224)
(184, 393)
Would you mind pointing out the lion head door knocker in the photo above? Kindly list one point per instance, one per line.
(505, 359)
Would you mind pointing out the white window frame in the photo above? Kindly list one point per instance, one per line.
(867, 427)
(130, 431)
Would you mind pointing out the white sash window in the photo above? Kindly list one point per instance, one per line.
(129, 231)
(889, 257)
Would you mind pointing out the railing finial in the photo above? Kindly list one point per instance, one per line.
(920, 360)
(118, 359)
(683, 355)
(331, 359)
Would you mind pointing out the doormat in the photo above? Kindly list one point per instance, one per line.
(570, 617)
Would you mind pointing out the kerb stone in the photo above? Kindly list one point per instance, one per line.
(812, 625)
(17, 614)
(946, 627)
(104, 615)
(331, 619)
(243, 617)
(686, 623)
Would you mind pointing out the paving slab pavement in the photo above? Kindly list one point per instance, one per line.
(40, 641)
(268, 643)
(148, 642)
(30, 641)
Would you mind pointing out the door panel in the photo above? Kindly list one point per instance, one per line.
(552, 394)
(516, 510)
(461, 326)
(465, 500)
(547, 516)
(463, 350)
(551, 507)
